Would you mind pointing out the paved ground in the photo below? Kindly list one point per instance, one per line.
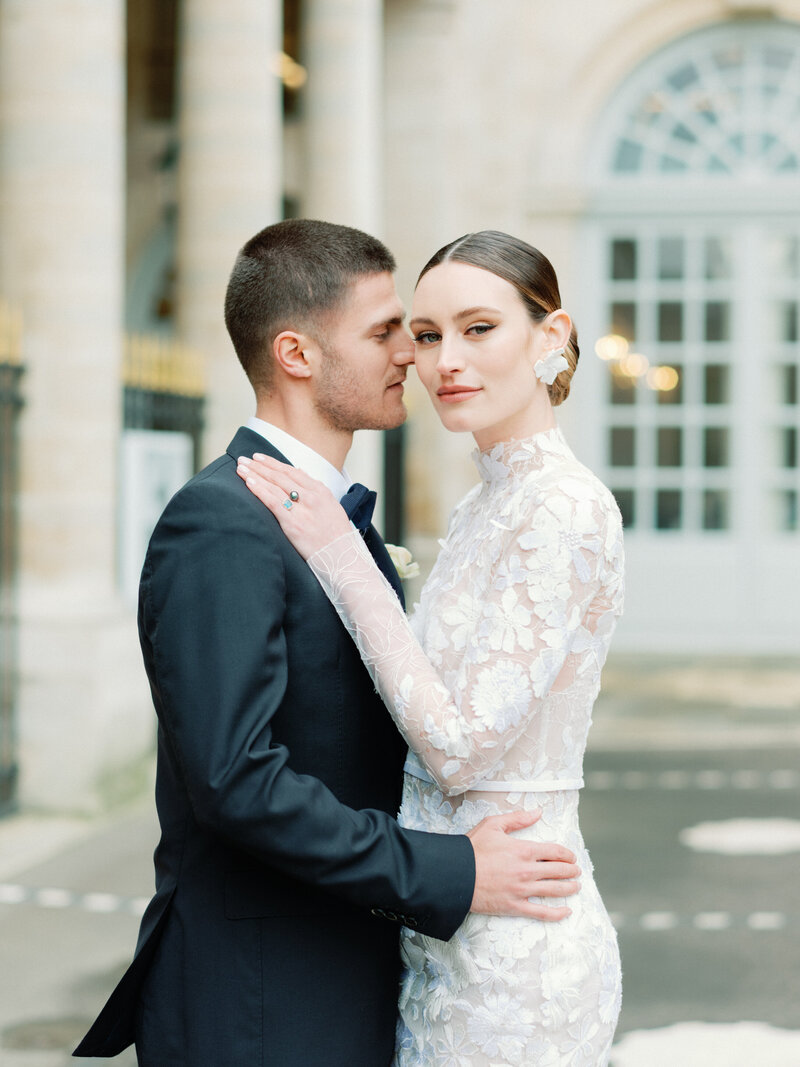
(705, 936)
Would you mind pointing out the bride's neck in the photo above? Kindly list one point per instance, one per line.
(535, 418)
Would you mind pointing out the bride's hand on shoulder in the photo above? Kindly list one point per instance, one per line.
(308, 513)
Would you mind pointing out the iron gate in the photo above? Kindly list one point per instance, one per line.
(10, 405)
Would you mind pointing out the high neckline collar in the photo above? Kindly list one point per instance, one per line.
(516, 457)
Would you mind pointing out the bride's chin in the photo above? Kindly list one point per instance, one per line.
(454, 421)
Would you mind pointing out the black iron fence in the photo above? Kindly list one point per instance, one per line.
(10, 405)
(163, 388)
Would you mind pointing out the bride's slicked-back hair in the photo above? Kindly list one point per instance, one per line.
(293, 275)
(528, 270)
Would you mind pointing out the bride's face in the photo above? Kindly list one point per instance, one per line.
(476, 346)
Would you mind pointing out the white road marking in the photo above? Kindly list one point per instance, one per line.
(699, 1044)
(53, 898)
(102, 902)
(659, 920)
(766, 920)
(744, 837)
(712, 920)
(710, 780)
(651, 921)
(706, 779)
(12, 894)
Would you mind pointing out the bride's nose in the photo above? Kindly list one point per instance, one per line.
(451, 357)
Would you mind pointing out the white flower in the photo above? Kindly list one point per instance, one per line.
(548, 368)
(500, 696)
(404, 564)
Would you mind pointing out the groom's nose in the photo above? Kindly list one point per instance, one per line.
(403, 354)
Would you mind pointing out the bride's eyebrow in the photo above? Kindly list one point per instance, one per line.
(467, 312)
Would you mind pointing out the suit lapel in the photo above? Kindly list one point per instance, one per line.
(247, 441)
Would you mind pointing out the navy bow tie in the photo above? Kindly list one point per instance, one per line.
(359, 503)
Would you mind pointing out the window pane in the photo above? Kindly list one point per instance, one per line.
(670, 258)
(784, 256)
(670, 322)
(623, 260)
(787, 510)
(789, 383)
(786, 321)
(668, 509)
(683, 76)
(789, 447)
(715, 446)
(622, 446)
(715, 509)
(628, 156)
(622, 388)
(626, 503)
(718, 259)
(716, 383)
(717, 320)
(623, 319)
(669, 446)
(674, 395)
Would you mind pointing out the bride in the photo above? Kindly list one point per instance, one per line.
(492, 682)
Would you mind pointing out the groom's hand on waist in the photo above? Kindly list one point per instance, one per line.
(508, 870)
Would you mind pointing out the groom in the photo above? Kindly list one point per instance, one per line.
(282, 877)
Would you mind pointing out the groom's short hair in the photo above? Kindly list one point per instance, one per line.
(292, 276)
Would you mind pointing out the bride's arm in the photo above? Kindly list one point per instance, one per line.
(513, 644)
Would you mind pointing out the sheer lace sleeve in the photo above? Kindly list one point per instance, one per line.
(558, 580)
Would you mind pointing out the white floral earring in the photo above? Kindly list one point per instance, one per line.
(548, 368)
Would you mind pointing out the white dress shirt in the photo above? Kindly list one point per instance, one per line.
(300, 455)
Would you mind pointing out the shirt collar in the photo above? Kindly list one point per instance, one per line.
(300, 455)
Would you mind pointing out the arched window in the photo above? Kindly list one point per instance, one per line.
(706, 301)
(695, 234)
(725, 103)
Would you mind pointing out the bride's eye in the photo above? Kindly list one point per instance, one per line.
(427, 337)
(480, 328)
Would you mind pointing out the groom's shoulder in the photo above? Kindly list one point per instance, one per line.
(216, 496)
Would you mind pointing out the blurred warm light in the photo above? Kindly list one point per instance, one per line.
(611, 347)
(634, 365)
(291, 73)
(664, 379)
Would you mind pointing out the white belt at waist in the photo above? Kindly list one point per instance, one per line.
(513, 785)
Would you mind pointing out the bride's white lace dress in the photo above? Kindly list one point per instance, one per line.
(514, 626)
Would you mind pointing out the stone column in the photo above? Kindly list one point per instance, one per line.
(83, 706)
(343, 113)
(230, 178)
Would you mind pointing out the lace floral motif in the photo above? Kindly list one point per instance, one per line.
(498, 685)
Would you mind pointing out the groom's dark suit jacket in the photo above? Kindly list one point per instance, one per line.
(282, 878)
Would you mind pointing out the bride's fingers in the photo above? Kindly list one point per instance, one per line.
(267, 491)
(282, 473)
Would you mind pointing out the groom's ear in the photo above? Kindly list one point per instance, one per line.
(291, 352)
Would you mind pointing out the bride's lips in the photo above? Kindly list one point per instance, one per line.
(454, 394)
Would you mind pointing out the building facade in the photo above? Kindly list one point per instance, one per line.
(651, 149)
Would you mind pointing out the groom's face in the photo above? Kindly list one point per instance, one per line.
(363, 359)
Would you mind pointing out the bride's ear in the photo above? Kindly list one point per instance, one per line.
(556, 327)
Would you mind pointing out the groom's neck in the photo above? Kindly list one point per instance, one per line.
(305, 424)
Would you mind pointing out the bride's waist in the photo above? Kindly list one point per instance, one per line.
(542, 784)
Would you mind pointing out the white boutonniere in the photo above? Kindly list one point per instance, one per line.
(404, 564)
